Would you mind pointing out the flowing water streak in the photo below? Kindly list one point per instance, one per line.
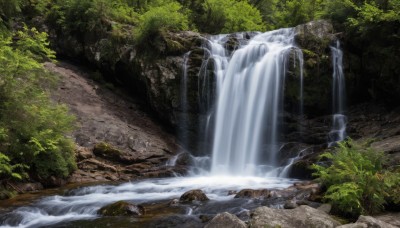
(249, 103)
(217, 57)
(184, 120)
(83, 203)
(338, 131)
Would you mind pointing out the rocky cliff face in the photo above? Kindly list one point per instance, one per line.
(154, 74)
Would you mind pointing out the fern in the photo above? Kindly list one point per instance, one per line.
(356, 181)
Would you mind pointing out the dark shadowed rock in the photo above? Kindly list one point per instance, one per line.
(122, 208)
(225, 220)
(193, 195)
(290, 204)
(303, 216)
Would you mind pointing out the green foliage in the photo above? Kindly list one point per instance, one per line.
(32, 127)
(356, 180)
(168, 17)
(227, 16)
(8, 171)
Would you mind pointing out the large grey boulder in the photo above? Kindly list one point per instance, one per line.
(303, 216)
(226, 220)
(368, 222)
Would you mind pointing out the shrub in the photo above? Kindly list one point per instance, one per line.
(356, 181)
(227, 16)
(161, 18)
(32, 127)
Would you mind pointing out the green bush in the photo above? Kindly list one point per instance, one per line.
(32, 127)
(356, 180)
(169, 17)
(227, 16)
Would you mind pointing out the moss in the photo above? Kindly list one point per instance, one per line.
(121, 208)
(107, 151)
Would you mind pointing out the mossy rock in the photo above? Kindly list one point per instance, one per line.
(193, 195)
(122, 208)
(106, 151)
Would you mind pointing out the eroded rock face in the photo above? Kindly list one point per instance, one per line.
(116, 139)
(225, 220)
(122, 208)
(303, 216)
(193, 195)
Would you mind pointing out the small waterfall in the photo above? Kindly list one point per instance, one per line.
(210, 75)
(184, 119)
(339, 121)
(249, 104)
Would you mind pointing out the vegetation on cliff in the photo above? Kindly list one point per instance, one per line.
(32, 127)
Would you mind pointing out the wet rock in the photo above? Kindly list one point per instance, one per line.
(290, 204)
(205, 218)
(225, 220)
(53, 182)
(303, 216)
(122, 208)
(173, 202)
(27, 187)
(368, 222)
(232, 192)
(252, 193)
(193, 195)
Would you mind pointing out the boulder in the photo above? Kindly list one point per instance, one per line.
(225, 220)
(368, 222)
(193, 195)
(290, 204)
(122, 208)
(392, 218)
(251, 193)
(303, 216)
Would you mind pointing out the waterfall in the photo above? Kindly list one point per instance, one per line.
(339, 120)
(249, 104)
(184, 118)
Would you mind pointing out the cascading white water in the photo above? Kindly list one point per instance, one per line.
(339, 121)
(83, 203)
(249, 103)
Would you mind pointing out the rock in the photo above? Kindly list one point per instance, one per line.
(392, 218)
(325, 208)
(27, 187)
(367, 222)
(225, 220)
(173, 202)
(251, 193)
(193, 195)
(290, 204)
(83, 153)
(106, 151)
(122, 208)
(205, 218)
(303, 216)
(373, 222)
(53, 182)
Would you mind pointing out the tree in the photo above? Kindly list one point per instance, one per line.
(33, 128)
(227, 16)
